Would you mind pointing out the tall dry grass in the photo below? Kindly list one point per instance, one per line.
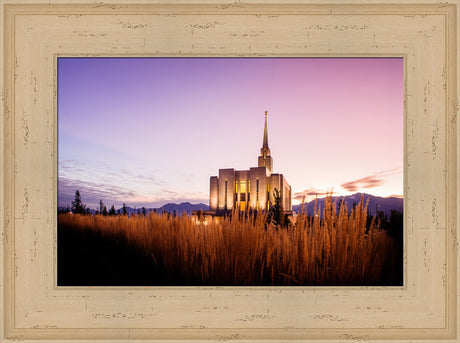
(335, 248)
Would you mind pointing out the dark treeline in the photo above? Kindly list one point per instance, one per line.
(78, 207)
(276, 215)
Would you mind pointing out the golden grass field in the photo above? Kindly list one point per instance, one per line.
(341, 247)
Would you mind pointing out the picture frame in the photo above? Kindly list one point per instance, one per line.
(35, 34)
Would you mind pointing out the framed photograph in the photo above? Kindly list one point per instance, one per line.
(49, 51)
(273, 221)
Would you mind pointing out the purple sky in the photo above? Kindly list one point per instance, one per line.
(148, 131)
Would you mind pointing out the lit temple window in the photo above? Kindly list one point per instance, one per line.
(242, 186)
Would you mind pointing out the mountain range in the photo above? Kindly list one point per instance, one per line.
(375, 203)
(170, 208)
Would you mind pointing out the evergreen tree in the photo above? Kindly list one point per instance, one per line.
(396, 225)
(112, 211)
(144, 211)
(276, 211)
(77, 206)
(276, 214)
(104, 211)
(382, 220)
(125, 212)
(101, 206)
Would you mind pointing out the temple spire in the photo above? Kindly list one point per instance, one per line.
(265, 160)
(265, 143)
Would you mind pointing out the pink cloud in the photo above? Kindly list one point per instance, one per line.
(370, 181)
(308, 193)
(365, 182)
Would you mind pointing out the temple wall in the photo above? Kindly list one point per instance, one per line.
(213, 193)
(226, 189)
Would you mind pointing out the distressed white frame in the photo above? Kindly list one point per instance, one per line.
(34, 34)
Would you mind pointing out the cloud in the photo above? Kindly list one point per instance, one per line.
(92, 193)
(309, 193)
(365, 182)
(370, 181)
(137, 185)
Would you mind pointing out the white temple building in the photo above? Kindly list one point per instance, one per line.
(249, 189)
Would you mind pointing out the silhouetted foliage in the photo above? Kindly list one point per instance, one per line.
(382, 220)
(276, 214)
(125, 212)
(201, 217)
(64, 210)
(77, 206)
(395, 226)
(112, 211)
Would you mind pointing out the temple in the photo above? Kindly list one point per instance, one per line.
(249, 189)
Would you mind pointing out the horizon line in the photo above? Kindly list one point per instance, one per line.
(312, 198)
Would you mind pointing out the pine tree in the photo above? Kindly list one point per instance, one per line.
(77, 206)
(276, 214)
(276, 210)
(125, 212)
(112, 211)
(101, 206)
(104, 211)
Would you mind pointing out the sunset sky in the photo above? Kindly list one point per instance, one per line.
(148, 131)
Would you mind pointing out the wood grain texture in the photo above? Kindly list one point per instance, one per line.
(424, 33)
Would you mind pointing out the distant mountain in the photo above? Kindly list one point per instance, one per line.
(170, 208)
(375, 203)
(183, 207)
